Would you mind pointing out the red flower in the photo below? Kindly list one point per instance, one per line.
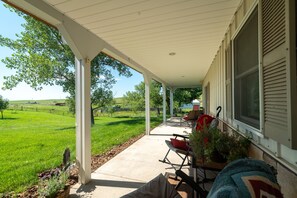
(205, 140)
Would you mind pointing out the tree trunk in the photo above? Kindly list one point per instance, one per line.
(158, 111)
(92, 116)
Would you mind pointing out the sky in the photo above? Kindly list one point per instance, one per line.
(12, 23)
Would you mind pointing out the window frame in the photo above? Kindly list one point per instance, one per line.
(237, 123)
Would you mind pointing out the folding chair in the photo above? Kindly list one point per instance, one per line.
(190, 118)
(180, 144)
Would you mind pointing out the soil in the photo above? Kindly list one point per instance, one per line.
(97, 161)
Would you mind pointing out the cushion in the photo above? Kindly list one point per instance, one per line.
(245, 178)
(180, 144)
(203, 121)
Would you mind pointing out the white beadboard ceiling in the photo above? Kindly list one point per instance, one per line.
(149, 30)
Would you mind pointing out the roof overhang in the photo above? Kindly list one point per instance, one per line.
(173, 41)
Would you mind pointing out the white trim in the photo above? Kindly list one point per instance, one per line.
(171, 102)
(147, 82)
(83, 119)
(254, 130)
(245, 18)
(164, 102)
(261, 86)
(238, 124)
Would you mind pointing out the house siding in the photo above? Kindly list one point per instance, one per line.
(283, 158)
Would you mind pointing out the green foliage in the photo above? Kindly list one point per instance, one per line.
(214, 145)
(136, 99)
(47, 106)
(3, 105)
(31, 142)
(50, 187)
(40, 57)
(186, 95)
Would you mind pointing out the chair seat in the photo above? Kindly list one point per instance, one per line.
(171, 147)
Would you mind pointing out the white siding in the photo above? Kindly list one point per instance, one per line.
(216, 78)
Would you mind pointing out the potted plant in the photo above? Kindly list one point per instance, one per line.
(217, 146)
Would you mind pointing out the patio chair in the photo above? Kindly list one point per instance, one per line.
(239, 179)
(190, 118)
(180, 144)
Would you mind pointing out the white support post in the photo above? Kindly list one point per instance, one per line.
(147, 82)
(171, 102)
(164, 103)
(83, 119)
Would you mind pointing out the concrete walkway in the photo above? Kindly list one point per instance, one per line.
(134, 166)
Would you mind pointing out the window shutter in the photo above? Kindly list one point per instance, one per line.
(279, 71)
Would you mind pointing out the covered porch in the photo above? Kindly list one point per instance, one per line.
(242, 54)
(136, 165)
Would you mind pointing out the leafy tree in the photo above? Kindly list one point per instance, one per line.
(136, 99)
(133, 100)
(156, 96)
(41, 58)
(185, 95)
(3, 105)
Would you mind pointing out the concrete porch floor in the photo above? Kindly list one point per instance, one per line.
(134, 166)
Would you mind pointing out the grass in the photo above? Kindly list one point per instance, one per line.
(47, 106)
(31, 142)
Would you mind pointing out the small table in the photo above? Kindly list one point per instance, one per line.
(211, 166)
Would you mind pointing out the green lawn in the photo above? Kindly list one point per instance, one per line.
(31, 142)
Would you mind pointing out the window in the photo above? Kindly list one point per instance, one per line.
(246, 73)
(228, 81)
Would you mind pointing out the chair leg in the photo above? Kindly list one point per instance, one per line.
(165, 158)
(185, 178)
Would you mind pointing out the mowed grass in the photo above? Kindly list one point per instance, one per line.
(31, 142)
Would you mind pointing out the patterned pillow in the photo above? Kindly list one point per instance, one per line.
(256, 184)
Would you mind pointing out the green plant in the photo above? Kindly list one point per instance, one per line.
(52, 186)
(214, 145)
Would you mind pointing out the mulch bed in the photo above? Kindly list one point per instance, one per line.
(97, 161)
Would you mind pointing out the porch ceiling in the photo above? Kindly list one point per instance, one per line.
(147, 31)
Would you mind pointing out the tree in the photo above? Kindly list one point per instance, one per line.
(136, 99)
(3, 105)
(41, 58)
(186, 95)
(156, 97)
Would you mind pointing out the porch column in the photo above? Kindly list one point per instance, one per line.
(147, 82)
(171, 102)
(164, 103)
(83, 119)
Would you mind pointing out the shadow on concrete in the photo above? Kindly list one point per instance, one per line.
(92, 185)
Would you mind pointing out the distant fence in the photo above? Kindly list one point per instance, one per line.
(63, 110)
(48, 109)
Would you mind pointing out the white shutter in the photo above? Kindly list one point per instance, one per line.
(279, 70)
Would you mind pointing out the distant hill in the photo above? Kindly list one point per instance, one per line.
(119, 100)
(40, 102)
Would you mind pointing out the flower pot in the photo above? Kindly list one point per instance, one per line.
(217, 157)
